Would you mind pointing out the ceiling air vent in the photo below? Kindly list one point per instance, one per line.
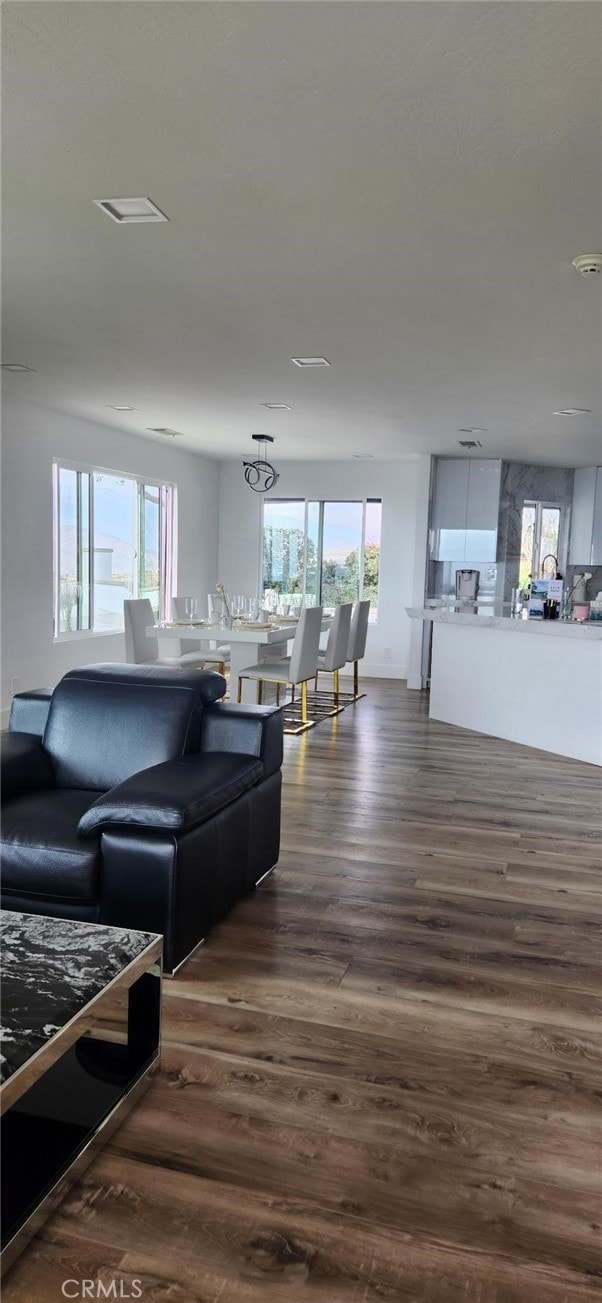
(470, 443)
(164, 429)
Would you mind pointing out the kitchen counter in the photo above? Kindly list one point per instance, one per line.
(542, 688)
(492, 617)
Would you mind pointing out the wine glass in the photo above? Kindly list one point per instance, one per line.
(238, 606)
(191, 607)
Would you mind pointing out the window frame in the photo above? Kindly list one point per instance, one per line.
(166, 542)
(321, 502)
(540, 505)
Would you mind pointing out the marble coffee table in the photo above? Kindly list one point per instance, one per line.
(80, 1037)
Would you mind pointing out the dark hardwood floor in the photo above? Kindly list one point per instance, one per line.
(382, 1076)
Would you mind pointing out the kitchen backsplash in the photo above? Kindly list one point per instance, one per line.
(520, 483)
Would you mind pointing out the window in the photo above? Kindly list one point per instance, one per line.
(324, 553)
(543, 540)
(113, 539)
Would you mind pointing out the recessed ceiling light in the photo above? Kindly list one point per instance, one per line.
(277, 407)
(473, 429)
(118, 407)
(573, 411)
(310, 361)
(131, 210)
(363, 456)
(164, 429)
(16, 366)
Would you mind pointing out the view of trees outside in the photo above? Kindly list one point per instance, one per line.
(341, 547)
(334, 535)
(283, 548)
(540, 537)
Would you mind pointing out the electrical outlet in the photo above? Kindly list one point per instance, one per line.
(15, 684)
(387, 651)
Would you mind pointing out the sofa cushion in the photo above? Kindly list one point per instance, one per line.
(42, 853)
(100, 733)
(175, 796)
(25, 765)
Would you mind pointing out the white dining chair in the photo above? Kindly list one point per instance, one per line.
(334, 656)
(142, 648)
(212, 652)
(357, 642)
(290, 671)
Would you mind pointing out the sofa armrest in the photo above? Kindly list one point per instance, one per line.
(249, 730)
(25, 765)
(29, 711)
(174, 796)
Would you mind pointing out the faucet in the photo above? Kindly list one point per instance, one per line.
(546, 558)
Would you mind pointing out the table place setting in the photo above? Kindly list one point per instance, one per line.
(187, 624)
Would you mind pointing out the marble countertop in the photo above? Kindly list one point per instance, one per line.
(491, 617)
(51, 969)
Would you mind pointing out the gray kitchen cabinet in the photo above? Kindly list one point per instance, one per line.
(585, 546)
(597, 524)
(450, 504)
(482, 511)
(465, 510)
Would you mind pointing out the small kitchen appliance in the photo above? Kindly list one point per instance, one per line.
(467, 585)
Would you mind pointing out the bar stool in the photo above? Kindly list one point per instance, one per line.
(334, 656)
(289, 671)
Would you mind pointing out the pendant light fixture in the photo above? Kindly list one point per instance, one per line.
(260, 475)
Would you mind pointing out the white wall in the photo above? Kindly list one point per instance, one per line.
(423, 497)
(31, 437)
(395, 482)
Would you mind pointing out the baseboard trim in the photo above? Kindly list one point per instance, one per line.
(379, 670)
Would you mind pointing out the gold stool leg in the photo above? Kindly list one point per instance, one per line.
(335, 679)
(260, 692)
(221, 666)
(277, 694)
(239, 691)
(304, 715)
(356, 679)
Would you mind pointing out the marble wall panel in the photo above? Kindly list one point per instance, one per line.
(523, 482)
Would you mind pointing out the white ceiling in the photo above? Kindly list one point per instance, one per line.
(398, 186)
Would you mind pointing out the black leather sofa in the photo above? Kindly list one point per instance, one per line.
(133, 795)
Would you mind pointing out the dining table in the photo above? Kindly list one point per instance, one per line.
(249, 643)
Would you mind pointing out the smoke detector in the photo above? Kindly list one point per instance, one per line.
(588, 264)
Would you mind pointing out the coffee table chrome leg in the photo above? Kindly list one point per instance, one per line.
(56, 1128)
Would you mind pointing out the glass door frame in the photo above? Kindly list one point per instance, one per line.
(319, 502)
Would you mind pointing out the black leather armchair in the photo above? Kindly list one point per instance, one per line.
(139, 798)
